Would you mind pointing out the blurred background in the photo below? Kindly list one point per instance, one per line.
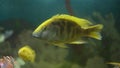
(23, 16)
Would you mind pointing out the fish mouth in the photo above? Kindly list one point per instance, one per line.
(35, 35)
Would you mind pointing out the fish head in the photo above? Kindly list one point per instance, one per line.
(36, 34)
(41, 34)
(46, 33)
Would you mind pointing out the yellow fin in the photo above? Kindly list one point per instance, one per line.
(62, 45)
(78, 42)
(97, 27)
(114, 63)
(80, 21)
(94, 31)
(95, 35)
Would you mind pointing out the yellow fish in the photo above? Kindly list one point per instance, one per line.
(64, 29)
(27, 53)
(116, 64)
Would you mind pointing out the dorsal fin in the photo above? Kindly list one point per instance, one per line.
(80, 21)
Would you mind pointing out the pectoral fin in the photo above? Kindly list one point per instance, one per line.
(62, 45)
(78, 42)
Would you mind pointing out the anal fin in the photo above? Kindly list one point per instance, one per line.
(62, 45)
(78, 42)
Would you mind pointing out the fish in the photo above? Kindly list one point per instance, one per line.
(62, 29)
(116, 64)
(27, 53)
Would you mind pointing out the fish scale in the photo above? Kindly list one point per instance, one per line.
(65, 30)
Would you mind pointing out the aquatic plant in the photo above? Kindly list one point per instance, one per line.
(109, 46)
(5, 49)
(111, 37)
(68, 7)
(96, 62)
(48, 56)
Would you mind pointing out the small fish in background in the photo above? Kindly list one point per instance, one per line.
(27, 53)
(5, 34)
(116, 64)
(64, 29)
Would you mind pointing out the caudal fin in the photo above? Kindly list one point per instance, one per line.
(94, 31)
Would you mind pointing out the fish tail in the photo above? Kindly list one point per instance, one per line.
(94, 31)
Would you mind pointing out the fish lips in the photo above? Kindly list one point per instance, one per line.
(36, 35)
